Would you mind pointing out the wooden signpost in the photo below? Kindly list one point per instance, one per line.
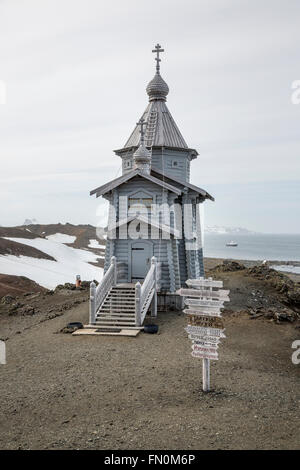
(205, 324)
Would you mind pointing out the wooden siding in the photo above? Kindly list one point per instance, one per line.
(178, 261)
(164, 160)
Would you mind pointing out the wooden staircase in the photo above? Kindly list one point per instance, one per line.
(122, 306)
(118, 308)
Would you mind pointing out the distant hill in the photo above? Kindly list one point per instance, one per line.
(228, 230)
(30, 221)
(82, 233)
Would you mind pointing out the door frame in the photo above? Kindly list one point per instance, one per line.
(141, 240)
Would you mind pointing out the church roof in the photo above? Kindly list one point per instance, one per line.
(157, 177)
(128, 176)
(161, 129)
(182, 184)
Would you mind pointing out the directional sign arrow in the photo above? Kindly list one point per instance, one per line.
(202, 355)
(199, 303)
(199, 311)
(206, 321)
(210, 339)
(204, 283)
(217, 295)
(210, 349)
(206, 343)
(206, 331)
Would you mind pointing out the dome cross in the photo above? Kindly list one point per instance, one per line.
(158, 50)
(142, 123)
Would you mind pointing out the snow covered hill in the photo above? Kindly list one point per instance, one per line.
(25, 256)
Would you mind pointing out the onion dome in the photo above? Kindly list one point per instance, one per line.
(157, 89)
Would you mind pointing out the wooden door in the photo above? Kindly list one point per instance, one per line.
(141, 253)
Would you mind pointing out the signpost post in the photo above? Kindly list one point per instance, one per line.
(205, 324)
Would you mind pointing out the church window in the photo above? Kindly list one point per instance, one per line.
(140, 201)
(143, 202)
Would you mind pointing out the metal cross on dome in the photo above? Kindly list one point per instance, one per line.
(158, 49)
(142, 123)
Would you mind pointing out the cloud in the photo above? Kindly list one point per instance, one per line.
(76, 73)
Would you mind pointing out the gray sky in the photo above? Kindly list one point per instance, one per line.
(76, 72)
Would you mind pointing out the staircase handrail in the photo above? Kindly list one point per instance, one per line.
(144, 293)
(98, 294)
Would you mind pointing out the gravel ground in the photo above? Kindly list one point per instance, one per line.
(60, 391)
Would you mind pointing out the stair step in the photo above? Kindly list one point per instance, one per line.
(115, 318)
(109, 321)
(126, 291)
(117, 307)
(115, 314)
(120, 306)
(113, 304)
(114, 322)
(123, 295)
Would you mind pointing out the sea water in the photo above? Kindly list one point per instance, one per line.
(253, 247)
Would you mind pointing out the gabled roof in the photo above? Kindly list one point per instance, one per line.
(182, 184)
(147, 220)
(157, 177)
(101, 190)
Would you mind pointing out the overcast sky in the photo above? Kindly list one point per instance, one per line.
(76, 72)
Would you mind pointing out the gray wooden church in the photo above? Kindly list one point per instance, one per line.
(154, 231)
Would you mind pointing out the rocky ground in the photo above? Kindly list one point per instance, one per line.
(17, 286)
(22, 312)
(61, 391)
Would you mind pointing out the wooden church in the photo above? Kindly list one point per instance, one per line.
(154, 230)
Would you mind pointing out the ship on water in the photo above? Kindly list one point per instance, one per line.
(232, 243)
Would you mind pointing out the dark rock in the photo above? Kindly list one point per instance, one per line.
(7, 299)
(279, 314)
(67, 286)
(14, 308)
(229, 266)
(288, 290)
(27, 310)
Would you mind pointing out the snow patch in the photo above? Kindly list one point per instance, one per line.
(61, 238)
(95, 244)
(47, 273)
(287, 268)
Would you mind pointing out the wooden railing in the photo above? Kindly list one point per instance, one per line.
(146, 293)
(98, 294)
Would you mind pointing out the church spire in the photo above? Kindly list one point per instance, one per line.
(157, 89)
